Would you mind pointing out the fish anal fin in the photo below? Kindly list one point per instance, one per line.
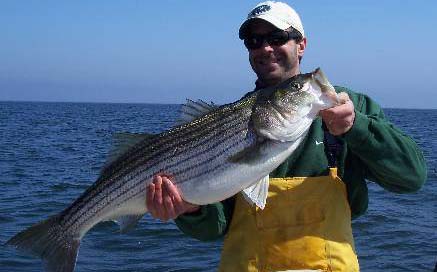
(128, 222)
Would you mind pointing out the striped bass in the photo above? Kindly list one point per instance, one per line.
(211, 157)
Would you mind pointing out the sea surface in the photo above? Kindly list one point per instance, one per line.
(51, 152)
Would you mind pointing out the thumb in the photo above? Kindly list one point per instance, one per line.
(342, 98)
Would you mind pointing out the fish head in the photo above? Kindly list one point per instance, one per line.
(284, 112)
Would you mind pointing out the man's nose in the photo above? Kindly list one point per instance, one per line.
(266, 46)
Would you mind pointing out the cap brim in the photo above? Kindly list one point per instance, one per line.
(242, 33)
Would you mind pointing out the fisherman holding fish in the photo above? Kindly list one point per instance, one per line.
(312, 195)
(279, 173)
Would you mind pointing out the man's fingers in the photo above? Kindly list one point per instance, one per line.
(339, 119)
(339, 112)
(169, 208)
(178, 203)
(171, 190)
(337, 109)
(150, 198)
(164, 201)
(158, 201)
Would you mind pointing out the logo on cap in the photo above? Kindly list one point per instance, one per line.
(258, 10)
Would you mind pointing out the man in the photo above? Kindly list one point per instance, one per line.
(307, 220)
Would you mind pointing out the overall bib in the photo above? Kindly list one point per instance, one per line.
(306, 224)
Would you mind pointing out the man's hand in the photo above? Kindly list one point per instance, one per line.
(164, 201)
(339, 119)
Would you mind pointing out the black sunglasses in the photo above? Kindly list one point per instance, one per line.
(276, 38)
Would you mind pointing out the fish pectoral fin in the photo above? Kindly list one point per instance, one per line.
(128, 222)
(194, 109)
(257, 193)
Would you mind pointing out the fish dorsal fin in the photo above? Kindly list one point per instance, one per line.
(257, 193)
(128, 222)
(123, 142)
(194, 109)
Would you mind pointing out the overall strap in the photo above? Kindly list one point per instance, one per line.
(333, 147)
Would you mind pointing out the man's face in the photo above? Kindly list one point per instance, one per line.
(274, 64)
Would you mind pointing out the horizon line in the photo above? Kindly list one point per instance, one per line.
(158, 103)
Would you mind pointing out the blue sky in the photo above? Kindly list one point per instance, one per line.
(165, 51)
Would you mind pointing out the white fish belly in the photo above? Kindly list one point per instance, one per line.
(133, 206)
(235, 177)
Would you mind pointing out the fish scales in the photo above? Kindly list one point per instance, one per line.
(216, 119)
(226, 144)
(219, 165)
(107, 188)
(163, 166)
(178, 133)
(194, 170)
(104, 182)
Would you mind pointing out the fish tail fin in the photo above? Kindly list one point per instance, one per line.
(51, 242)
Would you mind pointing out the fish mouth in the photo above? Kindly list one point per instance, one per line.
(320, 78)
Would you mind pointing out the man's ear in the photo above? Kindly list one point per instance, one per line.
(301, 47)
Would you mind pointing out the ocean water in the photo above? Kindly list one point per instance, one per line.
(51, 152)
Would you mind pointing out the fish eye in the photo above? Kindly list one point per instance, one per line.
(296, 85)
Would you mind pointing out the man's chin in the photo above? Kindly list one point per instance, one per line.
(271, 79)
(268, 71)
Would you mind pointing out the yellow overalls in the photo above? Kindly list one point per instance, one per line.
(306, 224)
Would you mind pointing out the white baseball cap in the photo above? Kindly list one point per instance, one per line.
(279, 14)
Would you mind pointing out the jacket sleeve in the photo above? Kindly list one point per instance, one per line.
(390, 158)
(209, 223)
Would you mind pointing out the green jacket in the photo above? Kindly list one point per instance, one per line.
(373, 149)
